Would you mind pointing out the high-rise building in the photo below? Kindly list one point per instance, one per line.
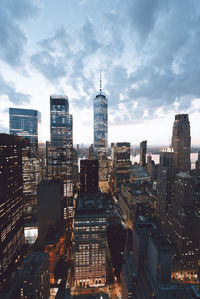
(165, 183)
(90, 242)
(181, 142)
(101, 133)
(183, 228)
(120, 154)
(24, 122)
(60, 148)
(143, 152)
(89, 182)
(11, 203)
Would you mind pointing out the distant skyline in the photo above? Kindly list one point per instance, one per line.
(147, 51)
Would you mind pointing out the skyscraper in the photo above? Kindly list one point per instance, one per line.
(90, 242)
(183, 227)
(143, 151)
(101, 132)
(181, 142)
(120, 154)
(59, 150)
(11, 202)
(24, 122)
(165, 183)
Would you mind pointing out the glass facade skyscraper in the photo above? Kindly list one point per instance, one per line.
(60, 148)
(24, 122)
(101, 133)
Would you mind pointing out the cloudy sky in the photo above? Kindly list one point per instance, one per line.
(147, 50)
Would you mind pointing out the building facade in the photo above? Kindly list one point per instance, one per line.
(90, 242)
(24, 122)
(143, 152)
(101, 133)
(181, 142)
(11, 203)
(165, 184)
(120, 155)
(34, 277)
(89, 176)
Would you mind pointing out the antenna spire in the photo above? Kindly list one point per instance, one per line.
(100, 83)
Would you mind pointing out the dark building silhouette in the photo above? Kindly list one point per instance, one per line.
(50, 207)
(11, 202)
(33, 278)
(143, 152)
(181, 142)
(89, 180)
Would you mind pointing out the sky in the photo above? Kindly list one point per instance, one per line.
(147, 50)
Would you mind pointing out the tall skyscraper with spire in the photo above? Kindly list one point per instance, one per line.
(181, 142)
(101, 132)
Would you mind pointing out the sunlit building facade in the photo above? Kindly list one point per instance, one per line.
(11, 203)
(181, 142)
(90, 242)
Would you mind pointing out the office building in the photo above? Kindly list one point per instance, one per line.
(150, 274)
(11, 203)
(143, 152)
(90, 242)
(89, 180)
(50, 206)
(181, 142)
(120, 155)
(183, 228)
(24, 122)
(33, 278)
(60, 149)
(165, 184)
(101, 133)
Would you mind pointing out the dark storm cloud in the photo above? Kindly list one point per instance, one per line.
(17, 98)
(12, 38)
